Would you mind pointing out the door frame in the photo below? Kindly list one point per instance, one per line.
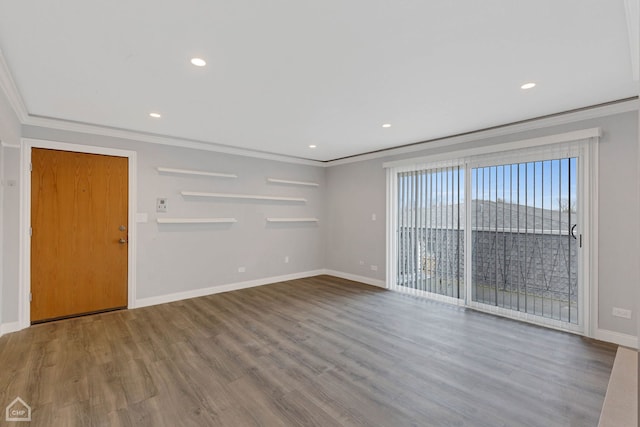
(24, 306)
(588, 139)
(585, 151)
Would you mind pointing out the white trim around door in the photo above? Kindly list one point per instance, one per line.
(24, 308)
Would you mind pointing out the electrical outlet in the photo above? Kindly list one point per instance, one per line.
(286, 259)
(374, 268)
(373, 217)
(241, 269)
(621, 312)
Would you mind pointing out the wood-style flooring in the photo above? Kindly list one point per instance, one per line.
(320, 351)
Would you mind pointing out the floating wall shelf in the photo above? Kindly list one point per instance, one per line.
(242, 196)
(286, 181)
(196, 172)
(292, 219)
(196, 220)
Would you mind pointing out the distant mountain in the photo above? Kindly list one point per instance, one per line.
(490, 215)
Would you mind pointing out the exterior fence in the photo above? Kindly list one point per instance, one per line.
(525, 271)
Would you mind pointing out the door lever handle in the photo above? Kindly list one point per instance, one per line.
(122, 241)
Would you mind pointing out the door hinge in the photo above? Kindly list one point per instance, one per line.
(30, 297)
(31, 167)
(30, 231)
(581, 240)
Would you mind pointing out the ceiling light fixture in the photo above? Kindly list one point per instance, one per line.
(312, 146)
(528, 86)
(386, 125)
(198, 62)
(155, 115)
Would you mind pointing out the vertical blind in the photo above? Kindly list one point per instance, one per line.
(430, 231)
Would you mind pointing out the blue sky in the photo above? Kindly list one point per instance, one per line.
(547, 184)
(541, 184)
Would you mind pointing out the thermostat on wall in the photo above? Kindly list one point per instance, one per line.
(161, 205)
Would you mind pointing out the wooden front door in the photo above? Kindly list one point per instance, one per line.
(79, 205)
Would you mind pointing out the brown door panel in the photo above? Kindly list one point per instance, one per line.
(79, 202)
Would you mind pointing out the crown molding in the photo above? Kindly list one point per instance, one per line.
(532, 124)
(8, 86)
(538, 123)
(461, 153)
(64, 125)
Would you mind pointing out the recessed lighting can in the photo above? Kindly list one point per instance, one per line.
(386, 125)
(155, 115)
(312, 146)
(198, 62)
(529, 85)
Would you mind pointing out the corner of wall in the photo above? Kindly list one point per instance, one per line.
(616, 338)
(356, 278)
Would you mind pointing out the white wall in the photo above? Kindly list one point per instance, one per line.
(10, 231)
(356, 190)
(1, 227)
(182, 258)
(619, 210)
(9, 214)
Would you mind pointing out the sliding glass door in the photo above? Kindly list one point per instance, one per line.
(501, 233)
(525, 245)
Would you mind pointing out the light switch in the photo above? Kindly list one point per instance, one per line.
(161, 205)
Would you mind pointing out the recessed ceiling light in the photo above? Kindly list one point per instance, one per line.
(155, 115)
(528, 86)
(386, 125)
(198, 62)
(312, 146)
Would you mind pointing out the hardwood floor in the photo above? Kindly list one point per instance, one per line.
(320, 351)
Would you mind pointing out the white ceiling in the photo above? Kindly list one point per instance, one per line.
(282, 75)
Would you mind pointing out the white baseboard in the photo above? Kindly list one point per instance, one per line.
(7, 328)
(616, 338)
(162, 299)
(356, 278)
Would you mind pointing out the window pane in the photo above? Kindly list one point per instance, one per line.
(524, 256)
